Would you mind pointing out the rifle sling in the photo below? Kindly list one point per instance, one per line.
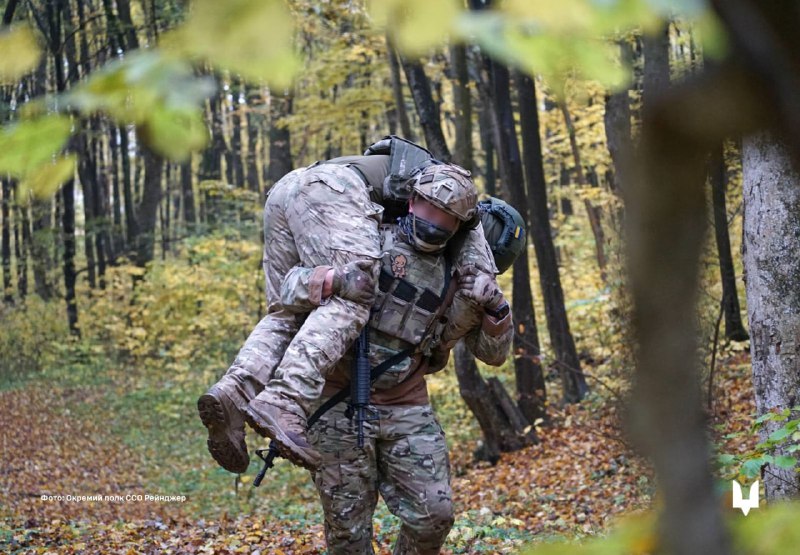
(374, 374)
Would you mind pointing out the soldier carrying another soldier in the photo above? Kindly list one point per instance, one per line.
(436, 285)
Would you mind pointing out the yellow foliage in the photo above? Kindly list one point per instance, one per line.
(183, 312)
(20, 51)
(30, 337)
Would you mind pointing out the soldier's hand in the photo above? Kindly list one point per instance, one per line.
(480, 287)
(355, 281)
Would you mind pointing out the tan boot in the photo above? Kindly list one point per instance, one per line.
(284, 427)
(225, 430)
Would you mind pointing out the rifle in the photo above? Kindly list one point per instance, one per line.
(362, 348)
(360, 385)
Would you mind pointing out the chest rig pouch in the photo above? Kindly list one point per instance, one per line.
(411, 288)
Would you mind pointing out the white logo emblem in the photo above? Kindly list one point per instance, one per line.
(745, 504)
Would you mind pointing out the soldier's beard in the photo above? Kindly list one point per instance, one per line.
(423, 235)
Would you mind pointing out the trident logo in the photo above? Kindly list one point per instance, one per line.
(740, 502)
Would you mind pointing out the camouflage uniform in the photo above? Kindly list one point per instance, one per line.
(404, 459)
(315, 217)
(405, 455)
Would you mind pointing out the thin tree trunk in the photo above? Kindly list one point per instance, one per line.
(280, 145)
(487, 144)
(148, 208)
(594, 213)
(8, 297)
(131, 227)
(427, 110)
(734, 329)
(211, 161)
(573, 380)
(54, 12)
(233, 155)
(187, 191)
(397, 91)
(41, 256)
(771, 244)
(127, 28)
(117, 244)
(87, 173)
(255, 120)
(463, 106)
(24, 251)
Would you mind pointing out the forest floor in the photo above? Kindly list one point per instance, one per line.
(87, 435)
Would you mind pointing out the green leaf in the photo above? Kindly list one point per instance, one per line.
(752, 468)
(175, 133)
(768, 416)
(21, 53)
(45, 180)
(158, 93)
(784, 461)
(129, 90)
(726, 459)
(27, 145)
(253, 38)
(416, 26)
(780, 434)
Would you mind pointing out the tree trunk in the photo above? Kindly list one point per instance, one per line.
(487, 144)
(280, 145)
(502, 424)
(427, 110)
(573, 380)
(23, 246)
(233, 156)
(8, 297)
(41, 241)
(617, 120)
(87, 175)
(463, 106)
(54, 12)
(148, 208)
(255, 120)
(397, 92)
(127, 28)
(131, 227)
(734, 329)
(655, 48)
(211, 161)
(594, 213)
(771, 244)
(665, 219)
(187, 191)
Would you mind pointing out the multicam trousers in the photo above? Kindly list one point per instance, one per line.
(404, 459)
(314, 216)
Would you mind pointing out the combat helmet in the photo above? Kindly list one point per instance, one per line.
(448, 187)
(504, 230)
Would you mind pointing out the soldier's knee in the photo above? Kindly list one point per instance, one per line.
(437, 521)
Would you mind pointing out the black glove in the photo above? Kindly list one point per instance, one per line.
(355, 281)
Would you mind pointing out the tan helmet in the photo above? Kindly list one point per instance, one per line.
(450, 188)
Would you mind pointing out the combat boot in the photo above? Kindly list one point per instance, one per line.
(285, 428)
(225, 430)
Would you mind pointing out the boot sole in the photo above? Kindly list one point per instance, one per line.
(287, 448)
(222, 447)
